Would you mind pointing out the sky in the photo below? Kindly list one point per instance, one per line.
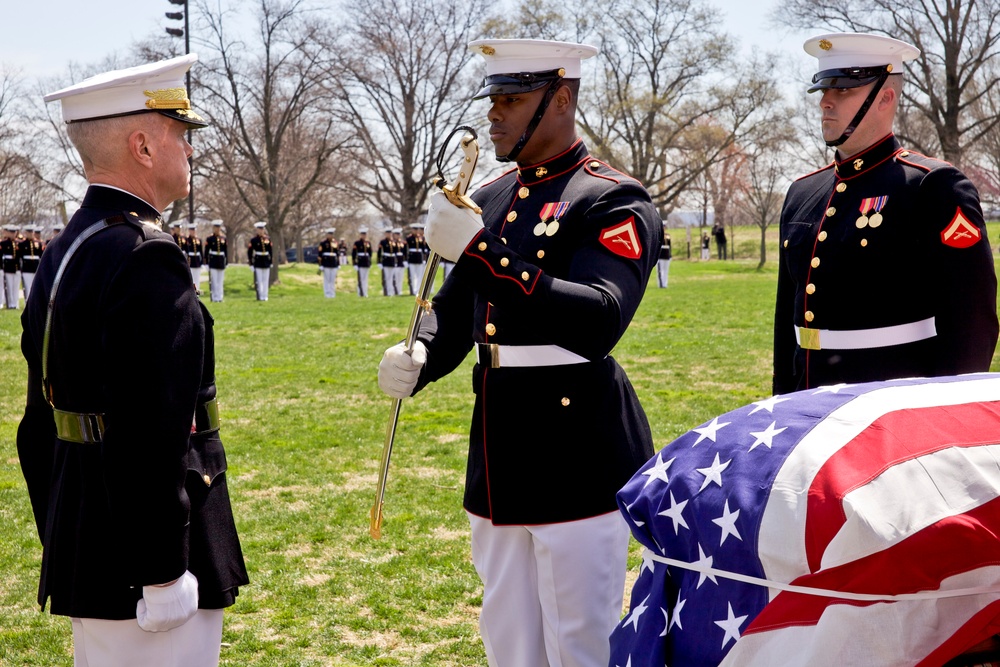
(41, 37)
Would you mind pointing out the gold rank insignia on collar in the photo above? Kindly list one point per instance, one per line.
(541, 171)
(858, 164)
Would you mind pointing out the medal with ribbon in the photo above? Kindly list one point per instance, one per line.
(871, 204)
(551, 211)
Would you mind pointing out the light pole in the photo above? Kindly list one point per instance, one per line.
(185, 32)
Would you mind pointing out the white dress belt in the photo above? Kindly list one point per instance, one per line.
(492, 355)
(858, 339)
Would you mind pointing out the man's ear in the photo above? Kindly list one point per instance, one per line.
(139, 147)
(887, 96)
(563, 99)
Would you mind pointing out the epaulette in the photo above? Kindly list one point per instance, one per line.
(920, 161)
(818, 171)
(614, 175)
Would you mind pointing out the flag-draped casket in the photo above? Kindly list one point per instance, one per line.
(883, 495)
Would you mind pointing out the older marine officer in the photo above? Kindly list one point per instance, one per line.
(884, 268)
(119, 443)
(545, 283)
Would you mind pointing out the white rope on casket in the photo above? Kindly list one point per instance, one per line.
(821, 592)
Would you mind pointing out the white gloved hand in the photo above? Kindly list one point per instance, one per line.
(164, 608)
(449, 228)
(399, 370)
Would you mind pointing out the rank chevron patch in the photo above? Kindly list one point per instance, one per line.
(622, 239)
(960, 233)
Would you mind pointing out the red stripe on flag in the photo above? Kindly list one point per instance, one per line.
(949, 547)
(891, 439)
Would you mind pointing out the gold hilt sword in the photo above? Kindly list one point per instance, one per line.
(456, 193)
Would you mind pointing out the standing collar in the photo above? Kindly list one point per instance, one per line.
(867, 159)
(108, 196)
(554, 166)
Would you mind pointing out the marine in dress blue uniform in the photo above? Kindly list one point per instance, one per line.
(545, 284)
(8, 266)
(217, 258)
(260, 254)
(417, 253)
(119, 444)
(328, 257)
(386, 255)
(195, 252)
(361, 257)
(885, 270)
(29, 253)
(663, 264)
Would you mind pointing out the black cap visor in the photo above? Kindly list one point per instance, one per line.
(847, 77)
(515, 83)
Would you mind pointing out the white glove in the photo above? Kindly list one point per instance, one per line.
(449, 228)
(399, 370)
(164, 608)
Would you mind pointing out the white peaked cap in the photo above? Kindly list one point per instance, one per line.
(158, 86)
(260, 225)
(508, 56)
(842, 50)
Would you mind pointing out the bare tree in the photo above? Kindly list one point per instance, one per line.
(957, 40)
(404, 87)
(273, 134)
(667, 68)
(765, 183)
(24, 195)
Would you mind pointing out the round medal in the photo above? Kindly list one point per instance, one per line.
(861, 222)
(552, 228)
(875, 220)
(539, 229)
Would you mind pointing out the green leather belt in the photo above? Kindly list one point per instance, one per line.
(88, 428)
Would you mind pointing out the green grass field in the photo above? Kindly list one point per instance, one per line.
(304, 422)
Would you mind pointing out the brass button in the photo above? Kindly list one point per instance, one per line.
(830, 212)
(595, 164)
(841, 186)
(864, 242)
(785, 244)
(512, 216)
(822, 236)
(904, 154)
(540, 253)
(525, 276)
(208, 480)
(564, 401)
(482, 246)
(815, 262)
(809, 316)
(503, 240)
(133, 214)
(504, 261)
(490, 329)
(810, 288)
(522, 193)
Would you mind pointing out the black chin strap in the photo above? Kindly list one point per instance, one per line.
(528, 131)
(853, 125)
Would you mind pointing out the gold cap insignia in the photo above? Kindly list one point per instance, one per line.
(888, 68)
(487, 50)
(167, 98)
(826, 45)
(562, 71)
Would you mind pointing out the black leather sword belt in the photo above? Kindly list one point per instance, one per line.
(87, 428)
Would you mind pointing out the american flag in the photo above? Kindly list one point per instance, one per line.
(884, 492)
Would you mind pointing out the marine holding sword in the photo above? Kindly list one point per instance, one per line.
(545, 283)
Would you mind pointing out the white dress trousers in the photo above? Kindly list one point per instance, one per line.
(10, 283)
(216, 280)
(330, 281)
(101, 643)
(262, 276)
(552, 593)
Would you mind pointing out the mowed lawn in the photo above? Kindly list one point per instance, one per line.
(304, 423)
